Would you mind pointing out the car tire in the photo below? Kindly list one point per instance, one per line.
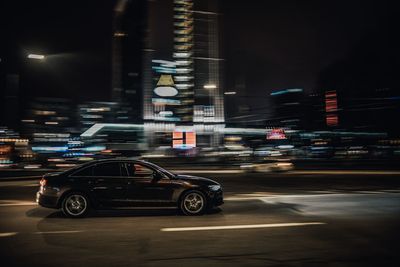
(75, 205)
(193, 203)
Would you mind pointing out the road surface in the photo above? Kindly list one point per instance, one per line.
(298, 219)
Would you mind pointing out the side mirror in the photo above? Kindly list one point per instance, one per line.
(157, 176)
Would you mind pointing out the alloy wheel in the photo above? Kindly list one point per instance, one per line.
(193, 203)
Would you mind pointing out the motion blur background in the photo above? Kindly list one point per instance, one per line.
(286, 84)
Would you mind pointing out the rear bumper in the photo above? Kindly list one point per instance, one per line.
(47, 201)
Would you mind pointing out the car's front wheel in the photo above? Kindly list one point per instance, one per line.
(76, 205)
(193, 203)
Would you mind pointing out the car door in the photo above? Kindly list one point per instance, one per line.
(145, 190)
(108, 185)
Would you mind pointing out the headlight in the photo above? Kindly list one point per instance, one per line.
(214, 187)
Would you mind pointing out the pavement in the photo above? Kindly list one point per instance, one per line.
(297, 219)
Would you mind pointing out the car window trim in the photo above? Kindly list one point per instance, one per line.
(78, 170)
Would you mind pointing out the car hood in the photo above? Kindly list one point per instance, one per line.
(196, 179)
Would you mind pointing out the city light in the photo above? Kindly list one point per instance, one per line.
(281, 92)
(36, 56)
(210, 86)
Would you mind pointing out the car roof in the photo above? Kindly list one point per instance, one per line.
(118, 159)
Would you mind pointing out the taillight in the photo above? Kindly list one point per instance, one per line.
(43, 182)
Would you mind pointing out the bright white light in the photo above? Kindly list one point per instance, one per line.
(166, 113)
(183, 78)
(230, 93)
(210, 86)
(165, 91)
(36, 56)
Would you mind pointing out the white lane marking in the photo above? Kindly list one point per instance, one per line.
(10, 203)
(356, 172)
(58, 232)
(7, 234)
(296, 172)
(271, 197)
(207, 171)
(249, 196)
(245, 226)
(240, 198)
(391, 191)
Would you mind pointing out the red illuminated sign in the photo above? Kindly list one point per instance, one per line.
(276, 134)
(331, 108)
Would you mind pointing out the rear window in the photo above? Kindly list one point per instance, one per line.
(107, 169)
(84, 172)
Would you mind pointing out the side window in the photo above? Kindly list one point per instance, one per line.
(139, 171)
(107, 169)
(84, 172)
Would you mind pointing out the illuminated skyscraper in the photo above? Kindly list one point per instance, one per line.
(198, 64)
(193, 61)
(182, 81)
(183, 55)
(207, 63)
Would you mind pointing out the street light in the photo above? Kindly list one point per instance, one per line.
(36, 56)
(230, 93)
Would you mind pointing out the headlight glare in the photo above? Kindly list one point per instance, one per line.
(214, 187)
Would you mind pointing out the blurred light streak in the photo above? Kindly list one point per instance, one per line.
(233, 227)
(210, 86)
(36, 56)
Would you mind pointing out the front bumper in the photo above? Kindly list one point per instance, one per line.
(216, 198)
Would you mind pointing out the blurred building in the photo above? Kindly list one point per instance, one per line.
(13, 148)
(90, 113)
(370, 110)
(50, 125)
(127, 46)
(10, 103)
(45, 114)
(182, 73)
(120, 140)
(289, 108)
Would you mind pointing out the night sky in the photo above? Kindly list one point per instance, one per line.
(268, 45)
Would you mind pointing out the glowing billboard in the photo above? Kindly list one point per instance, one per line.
(183, 139)
(276, 134)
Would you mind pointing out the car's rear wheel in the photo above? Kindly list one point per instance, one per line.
(76, 205)
(193, 203)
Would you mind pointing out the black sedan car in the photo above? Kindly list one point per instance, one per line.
(126, 183)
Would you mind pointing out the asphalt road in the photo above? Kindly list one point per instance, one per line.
(298, 219)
